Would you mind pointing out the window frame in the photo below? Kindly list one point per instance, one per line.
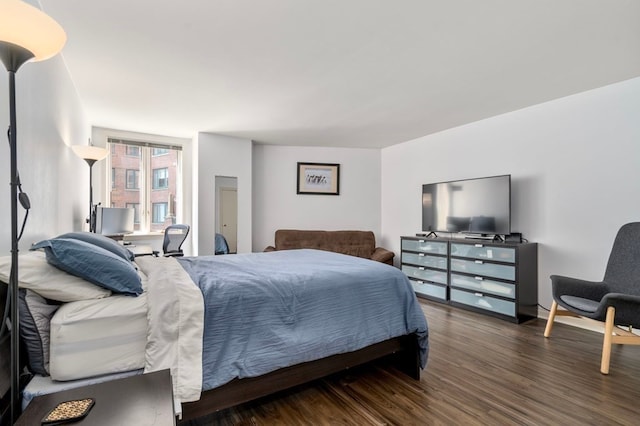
(136, 211)
(136, 173)
(153, 211)
(155, 180)
(173, 212)
(132, 147)
(156, 152)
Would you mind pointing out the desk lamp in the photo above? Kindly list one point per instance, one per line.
(26, 33)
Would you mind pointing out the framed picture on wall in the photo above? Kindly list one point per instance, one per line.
(318, 178)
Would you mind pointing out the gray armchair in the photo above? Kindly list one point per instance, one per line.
(614, 300)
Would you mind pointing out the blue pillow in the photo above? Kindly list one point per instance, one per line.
(100, 241)
(93, 264)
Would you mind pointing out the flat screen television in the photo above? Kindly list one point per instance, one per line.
(473, 206)
(114, 220)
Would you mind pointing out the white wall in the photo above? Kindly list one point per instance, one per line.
(49, 119)
(217, 155)
(575, 167)
(276, 204)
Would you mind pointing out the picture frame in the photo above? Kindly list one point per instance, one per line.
(318, 178)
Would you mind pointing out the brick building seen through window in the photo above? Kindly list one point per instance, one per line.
(133, 185)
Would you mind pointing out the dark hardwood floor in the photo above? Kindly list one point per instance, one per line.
(481, 371)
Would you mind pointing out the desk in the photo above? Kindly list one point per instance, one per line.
(139, 250)
(146, 399)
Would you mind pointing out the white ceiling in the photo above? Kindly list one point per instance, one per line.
(353, 73)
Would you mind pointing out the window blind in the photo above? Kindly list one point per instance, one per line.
(144, 143)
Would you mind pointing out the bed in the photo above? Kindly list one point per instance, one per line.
(265, 322)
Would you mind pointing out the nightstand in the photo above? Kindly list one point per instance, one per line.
(145, 399)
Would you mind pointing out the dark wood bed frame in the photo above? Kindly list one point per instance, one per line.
(403, 351)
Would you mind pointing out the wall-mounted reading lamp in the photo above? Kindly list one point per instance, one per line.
(26, 33)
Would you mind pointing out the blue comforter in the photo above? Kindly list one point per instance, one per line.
(265, 311)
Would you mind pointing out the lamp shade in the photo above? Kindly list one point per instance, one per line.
(90, 152)
(28, 27)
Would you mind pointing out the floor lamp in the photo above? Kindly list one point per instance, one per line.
(90, 154)
(26, 33)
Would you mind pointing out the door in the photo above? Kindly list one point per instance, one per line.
(229, 217)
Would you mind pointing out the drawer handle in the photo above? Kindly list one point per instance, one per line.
(421, 268)
(479, 262)
(479, 245)
(421, 241)
(421, 254)
(478, 294)
(479, 278)
(420, 282)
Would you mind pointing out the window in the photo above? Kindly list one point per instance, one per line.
(161, 178)
(147, 177)
(133, 179)
(160, 212)
(136, 211)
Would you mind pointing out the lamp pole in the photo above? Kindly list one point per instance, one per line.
(13, 279)
(25, 33)
(91, 219)
(13, 57)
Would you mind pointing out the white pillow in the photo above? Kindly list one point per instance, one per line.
(48, 281)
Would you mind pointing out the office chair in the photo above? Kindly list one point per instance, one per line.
(174, 236)
(221, 246)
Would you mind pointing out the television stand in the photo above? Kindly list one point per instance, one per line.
(496, 278)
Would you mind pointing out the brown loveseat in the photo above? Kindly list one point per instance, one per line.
(354, 243)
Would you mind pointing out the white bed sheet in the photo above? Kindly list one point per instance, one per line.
(99, 336)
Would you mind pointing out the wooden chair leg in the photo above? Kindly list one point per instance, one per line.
(552, 317)
(608, 340)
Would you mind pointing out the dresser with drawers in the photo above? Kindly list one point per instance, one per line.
(496, 278)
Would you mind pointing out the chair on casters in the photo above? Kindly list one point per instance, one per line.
(615, 300)
(174, 236)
